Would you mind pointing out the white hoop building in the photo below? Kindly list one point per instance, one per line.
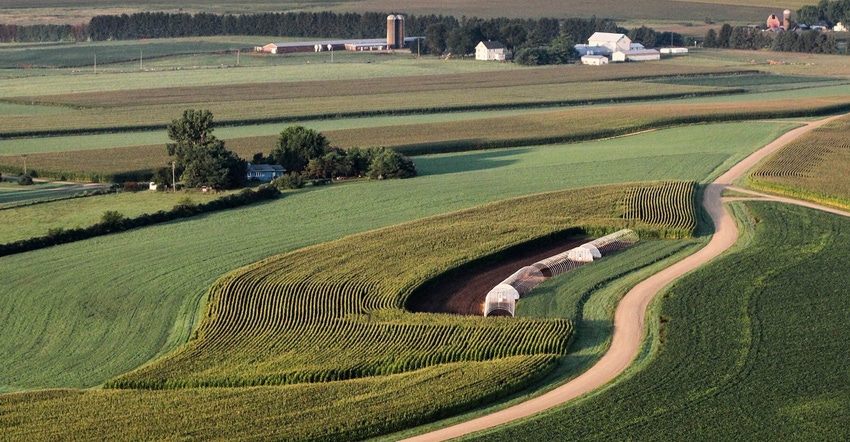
(504, 296)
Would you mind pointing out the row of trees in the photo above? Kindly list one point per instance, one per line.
(39, 33)
(742, 37)
(830, 12)
(307, 153)
(443, 33)
(200, 159)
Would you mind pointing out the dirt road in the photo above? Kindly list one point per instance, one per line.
(629, 316)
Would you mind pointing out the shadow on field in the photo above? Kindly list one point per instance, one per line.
(467, 162)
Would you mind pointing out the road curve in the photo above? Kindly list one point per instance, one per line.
(630, 313)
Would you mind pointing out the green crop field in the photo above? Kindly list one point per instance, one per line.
(38, 219)
(811, 168)
(752, 347)
(305, 335)
(513, 129)
(306, 317)
(166, 269)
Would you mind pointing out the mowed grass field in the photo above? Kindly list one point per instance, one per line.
(812, 168)
(751, 346)
(114, 322)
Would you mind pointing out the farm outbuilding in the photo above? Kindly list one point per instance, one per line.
(504, 296)
(490, 50)
(674, 51)
(594, 60)
(638, 55)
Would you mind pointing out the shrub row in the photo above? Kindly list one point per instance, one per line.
(120, 224)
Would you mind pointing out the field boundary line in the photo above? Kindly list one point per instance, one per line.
(631, 311)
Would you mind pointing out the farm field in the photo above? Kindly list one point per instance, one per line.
(37, 220)
(807, 168)
(179, 261)
(335, 326)
(769, 350)
(413, 135)
(262, 99)
(307, 322)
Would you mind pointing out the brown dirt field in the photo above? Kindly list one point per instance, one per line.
(464, 294)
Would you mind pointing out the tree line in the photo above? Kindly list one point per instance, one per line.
(200, 159)
(443, 33)
(744, 37)
(828, 12)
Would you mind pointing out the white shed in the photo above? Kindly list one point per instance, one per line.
(674, 51)
(640, 55)
(490, 50)
(594, 60)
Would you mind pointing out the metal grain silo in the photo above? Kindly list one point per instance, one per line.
(395, 31)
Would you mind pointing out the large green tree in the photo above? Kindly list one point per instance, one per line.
(296, 146)
(200, 157)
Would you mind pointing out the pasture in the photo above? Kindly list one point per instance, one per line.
(149, 308)
(807, 168)
(757, 333)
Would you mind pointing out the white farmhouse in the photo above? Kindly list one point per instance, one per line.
(490, 50)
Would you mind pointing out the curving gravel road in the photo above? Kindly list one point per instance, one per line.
(630, 313)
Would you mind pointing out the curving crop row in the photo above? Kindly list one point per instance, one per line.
(335, 311)
(668, 203)
(806, 168)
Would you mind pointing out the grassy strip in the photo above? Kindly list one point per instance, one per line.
(756, 331)
(64, 236)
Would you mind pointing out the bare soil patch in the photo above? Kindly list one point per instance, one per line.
(462, 291)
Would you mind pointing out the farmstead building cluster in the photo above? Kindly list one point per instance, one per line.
(618, 47)
(395, 40)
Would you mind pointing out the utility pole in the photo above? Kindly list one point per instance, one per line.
(140, 60)
(173, 177)
(237, 57)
